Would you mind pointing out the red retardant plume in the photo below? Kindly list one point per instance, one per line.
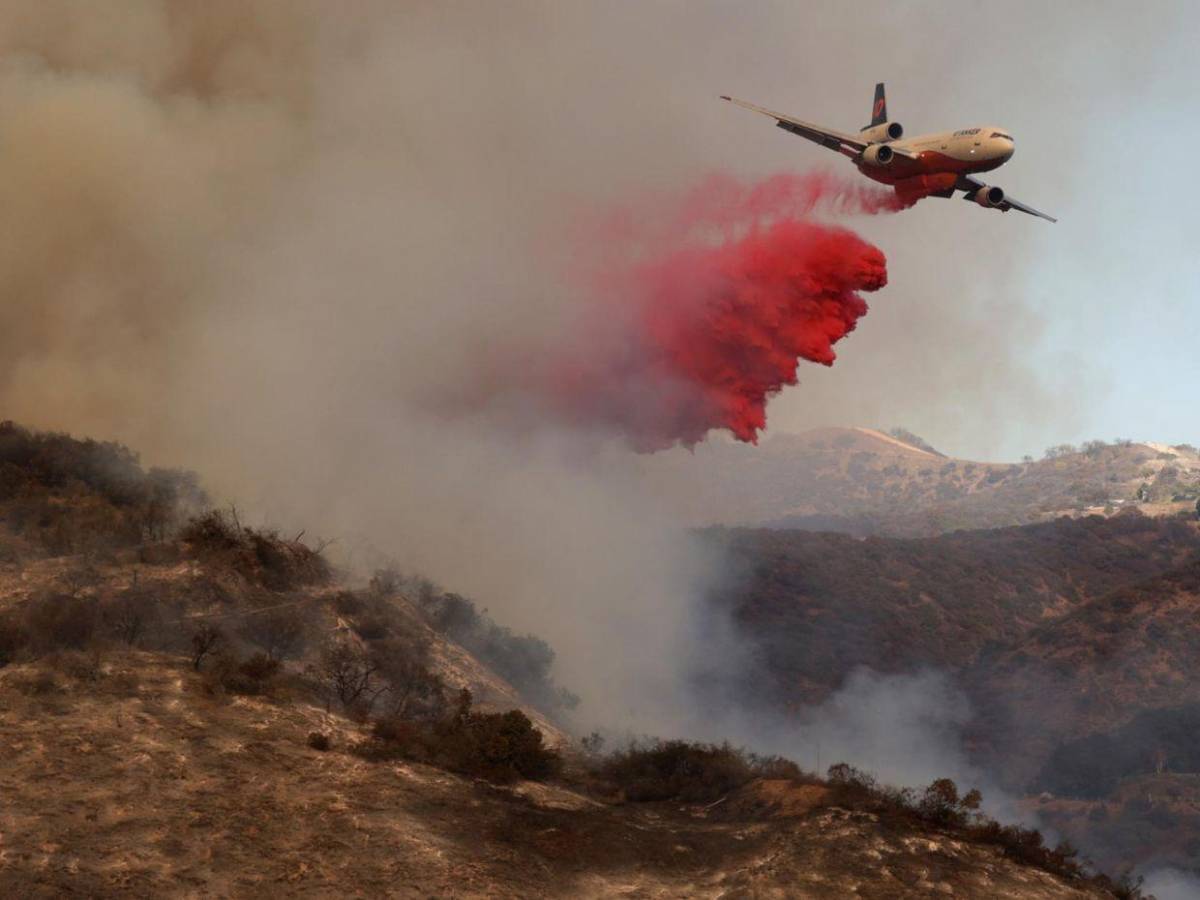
(716, 330)
(697, 309)
(695, 331)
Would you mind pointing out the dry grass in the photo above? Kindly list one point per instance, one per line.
(166, 791)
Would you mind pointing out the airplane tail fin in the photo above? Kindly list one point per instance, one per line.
(879, 109)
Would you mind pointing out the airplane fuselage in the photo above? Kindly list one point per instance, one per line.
(928, 165)
(939, 159)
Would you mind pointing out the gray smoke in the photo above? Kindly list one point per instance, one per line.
(260, 239)
(1172, 884)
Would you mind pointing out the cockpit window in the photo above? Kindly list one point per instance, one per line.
(1001, 134)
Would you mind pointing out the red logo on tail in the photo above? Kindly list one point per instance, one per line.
(878, 110)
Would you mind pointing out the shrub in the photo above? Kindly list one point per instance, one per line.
(347, 603)
(592, 744)
(395, 730)
(42, 683)
(261, 556)
(525, 661)
(77, 665)
(279, 632)
(319, 741)
(500, 747)
(941, 804)
(13, 639)
(371, 628)
(282, 565)
(60, 622)
(414, 690)
(212, 531)
(130, 616)
(386, 581)
(249, 677)
(70, 495)
(260, 667)
(677, 770)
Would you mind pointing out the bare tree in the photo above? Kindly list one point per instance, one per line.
(414, 689)
(204, 641)
(347, 671)
(129, 616)
(279, 632)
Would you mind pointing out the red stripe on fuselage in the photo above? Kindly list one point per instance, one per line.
(928, 163)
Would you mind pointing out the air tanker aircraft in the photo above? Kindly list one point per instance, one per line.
(930, 165)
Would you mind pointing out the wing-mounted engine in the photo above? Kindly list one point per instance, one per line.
(990, 197)
(877, 134)
(878, 155)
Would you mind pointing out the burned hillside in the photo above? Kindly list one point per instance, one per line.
(266, 700)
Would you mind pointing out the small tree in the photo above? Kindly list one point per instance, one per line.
(129, 616)
(941, 803)
(204, 641)
(347, 672)
(279, 632)
(414, 690)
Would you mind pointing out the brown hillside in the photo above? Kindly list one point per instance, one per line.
(190, 707)
(1091, 671)
(138, 783)
(865, 482)
(818, 605)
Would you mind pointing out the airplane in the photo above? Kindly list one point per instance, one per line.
(929, 165)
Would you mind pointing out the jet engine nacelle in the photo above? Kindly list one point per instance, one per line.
(888, 131)
(991, 197)
(878, 155)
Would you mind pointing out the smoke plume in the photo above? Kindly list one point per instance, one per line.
(263, 240)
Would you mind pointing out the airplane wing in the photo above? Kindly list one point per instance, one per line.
(826, 137)
(971, 185)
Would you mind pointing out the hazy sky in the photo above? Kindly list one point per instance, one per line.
(483, 130)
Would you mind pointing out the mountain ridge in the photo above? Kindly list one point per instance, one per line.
(862, 481)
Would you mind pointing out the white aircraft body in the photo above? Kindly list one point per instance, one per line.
(929, 165)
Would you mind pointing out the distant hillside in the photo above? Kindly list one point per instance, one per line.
(863, 482)
(1124, 655)
(817, 605)
(1076, 641)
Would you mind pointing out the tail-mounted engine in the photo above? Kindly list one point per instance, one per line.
(877, 134)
